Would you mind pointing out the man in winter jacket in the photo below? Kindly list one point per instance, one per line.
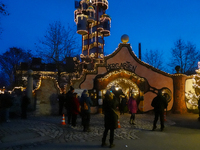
(159, 103)
(68, 104)
(86, 103)
(110, 118)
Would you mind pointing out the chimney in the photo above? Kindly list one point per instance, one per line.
(140, 57)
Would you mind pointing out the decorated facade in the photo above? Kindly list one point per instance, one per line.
(122, 72)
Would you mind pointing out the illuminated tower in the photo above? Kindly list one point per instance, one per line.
(93, 24)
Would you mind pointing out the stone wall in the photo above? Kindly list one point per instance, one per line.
(46, 97)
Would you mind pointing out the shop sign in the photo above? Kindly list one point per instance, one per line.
(126, 65)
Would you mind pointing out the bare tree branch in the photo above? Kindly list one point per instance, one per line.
(154, 58)
(58, 43)
(184, 55)
(10, 61)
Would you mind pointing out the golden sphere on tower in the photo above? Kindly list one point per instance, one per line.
(125, 38)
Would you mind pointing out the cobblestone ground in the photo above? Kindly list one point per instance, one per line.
(50, 126)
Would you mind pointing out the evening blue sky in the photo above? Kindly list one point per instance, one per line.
(156, 24)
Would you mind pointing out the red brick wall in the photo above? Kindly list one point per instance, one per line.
(179, 105)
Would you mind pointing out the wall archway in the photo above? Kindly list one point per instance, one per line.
(123, 79)
(125, 85)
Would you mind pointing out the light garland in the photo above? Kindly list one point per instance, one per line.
(103, 2)
(46, 77)
(83, 74)
(122, 71)
(94, 44)
(118, 81)
(19, 87)
(193, 98)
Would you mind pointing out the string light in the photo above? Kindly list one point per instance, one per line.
(17, 88)
(116, 83)
(122, 71)
(193, 97)
(46, 77)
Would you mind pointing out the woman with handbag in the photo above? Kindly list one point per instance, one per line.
(132, 106)
(110, 118)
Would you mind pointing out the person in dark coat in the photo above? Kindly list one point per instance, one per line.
(68, 104)
(123, 103)
(61, 99)
(199, 109)
(110, 118)
(75, 109)
(86, 103)
(6, 101)
(159, 103)
(24, 105)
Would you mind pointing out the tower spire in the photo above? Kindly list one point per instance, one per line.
(93, 24)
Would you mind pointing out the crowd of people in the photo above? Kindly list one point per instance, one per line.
(75, 106)
(81, 105)
(6, 102)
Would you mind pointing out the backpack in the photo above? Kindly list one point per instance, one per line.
(85, 106)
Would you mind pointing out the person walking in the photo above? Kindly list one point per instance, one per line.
(159, 103)
(24, 105)
(110, 118)
(68, 104)
(86, 103)
(132, 106)
(75, 109)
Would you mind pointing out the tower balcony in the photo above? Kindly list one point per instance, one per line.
(101, 3)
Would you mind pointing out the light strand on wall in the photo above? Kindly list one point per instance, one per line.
(192, 97)
(46, 77)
